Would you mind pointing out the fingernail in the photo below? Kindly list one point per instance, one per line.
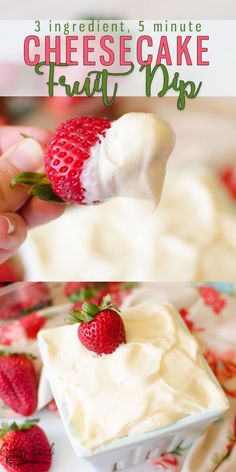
(10, 225)
(28, 156)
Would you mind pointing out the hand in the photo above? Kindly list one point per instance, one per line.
(19, 211)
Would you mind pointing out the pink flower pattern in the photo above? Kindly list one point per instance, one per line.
(166, 462)
(190, 324)
(224, 368)
(221, 357)
(212, 298)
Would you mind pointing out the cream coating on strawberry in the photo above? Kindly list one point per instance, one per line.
(130, 160)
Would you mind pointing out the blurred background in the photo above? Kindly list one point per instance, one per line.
(190, 236)
(133, 9)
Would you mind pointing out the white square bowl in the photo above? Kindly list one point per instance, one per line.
(135, 449)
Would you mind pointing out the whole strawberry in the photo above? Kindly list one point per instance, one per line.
(32, 324)
(65, 158)
(33, 296)
(228, 177)
(80, 291)
(24, 448)
(96, 291)
(25, 298)
(101, 327)
(118, 291)
(18, 383)
(10, 271)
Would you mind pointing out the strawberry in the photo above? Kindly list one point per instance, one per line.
(62, 106)
(101, 327)
(11, 270)
(65, 157)
(228, 177)
(25, 448)
(11, 333)
(212, 298)
(26, 327)
(7, 273)
(32, 324)
(117, 291)
(80, 291)
(26, 298)
(96, 291)
(33, 296)
(18, 382)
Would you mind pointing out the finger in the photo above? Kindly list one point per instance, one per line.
(10, 135)
(13, 232)
(37, 212)
(24, 156)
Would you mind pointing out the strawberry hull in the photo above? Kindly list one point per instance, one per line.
(96, 291)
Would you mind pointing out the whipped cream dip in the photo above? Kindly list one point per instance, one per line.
(190, 236)
(155, 379)
(130, 160)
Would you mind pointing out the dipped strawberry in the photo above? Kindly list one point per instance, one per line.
(101, 327)
(66, 156)
(18, 382)
(90, 160)
(24, 448)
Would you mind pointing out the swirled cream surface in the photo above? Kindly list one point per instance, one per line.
(190, 236)
(153, 380)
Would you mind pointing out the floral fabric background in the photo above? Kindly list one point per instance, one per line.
(209, 311)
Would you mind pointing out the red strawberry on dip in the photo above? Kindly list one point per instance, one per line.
(101, 327)
(90, 160)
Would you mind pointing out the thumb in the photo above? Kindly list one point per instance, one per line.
(25, 156)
